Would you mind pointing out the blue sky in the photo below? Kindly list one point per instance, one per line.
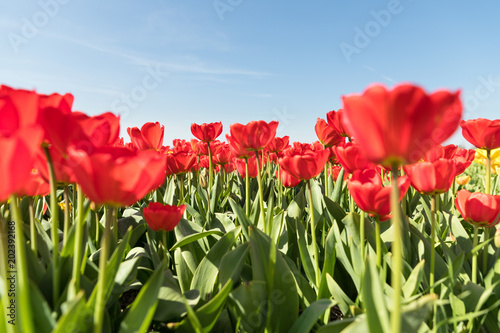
(179, 62)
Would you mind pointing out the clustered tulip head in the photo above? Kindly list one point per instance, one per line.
(478, 209)
(371, 196)
(482, 133)
(399, 126)
(163, 217)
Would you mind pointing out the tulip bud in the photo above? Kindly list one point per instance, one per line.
(94, 207)
(462, 180)
(497, 238)
(203, 181)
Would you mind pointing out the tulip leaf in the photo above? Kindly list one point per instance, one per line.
(248, 302)
(339, 184)
(305, 255)
(194, 237)
(310, 315)
(283, 302)
(76, 318)
(206, 316)
(413, 282)
(338, 294)
(44, 322)
(242, 218)
(414, 314)
(141, 311)
(335, 210)
(232, 263)
(373, 300)
(112, 268)
(206, 274)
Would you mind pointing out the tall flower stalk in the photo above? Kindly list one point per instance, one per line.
(80, 222)
(397, 253)
(267, 229)
(54, 209)
(110, 213)
(313, 235)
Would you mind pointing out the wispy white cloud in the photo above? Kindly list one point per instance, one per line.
(188, 65)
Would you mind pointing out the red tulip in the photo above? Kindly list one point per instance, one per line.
(253, 136)
(21, 108)
(479, 209)
(182, 145)
(35, 185)
(432, 177)
(482, 133)
(350, 156)
(440, 151)
(252, 167)
(102, 130)
(204, 162)
(207, 132)
(18, 157)
(62, 167)
(180, 162)
(335, 171)
(335, 120)
(326, 134)
(278, 144)
(150, 136)
(237, 149)
(117, 176)
(222, 154)
(228, 167)
(298, 148)
(163, 217)
(199, 147)
(370, 195)
(462, 157)
(287, 179)
(402, 124)
(305, 166)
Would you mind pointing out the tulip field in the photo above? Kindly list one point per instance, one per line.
(378, 226)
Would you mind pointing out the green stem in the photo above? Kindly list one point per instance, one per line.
(54, 209)
(474, 256)
(362, 235)
(97, 227)
(33, 232)
(165, 244)
(486, 231)
(378, 241)
(21, 269)
(210, 177)
(261, 196)
(181, 187)
(100, 306)
(454, 192)
(189, 176)
(77, 260)
(313, 235)
(325, 171)
(66, 215)
(247, 189)
(397, 256)
(433, 242)
(280, 183)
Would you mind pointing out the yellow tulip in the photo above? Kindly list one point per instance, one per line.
(462, 180)
(494, 155)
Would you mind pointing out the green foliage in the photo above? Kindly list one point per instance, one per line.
(220, 272)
